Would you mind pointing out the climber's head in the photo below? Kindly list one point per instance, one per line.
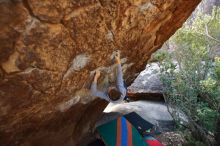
(113, 93)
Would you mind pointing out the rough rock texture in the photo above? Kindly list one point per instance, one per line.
(48, 50)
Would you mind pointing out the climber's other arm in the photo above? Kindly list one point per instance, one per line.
(94, 90)
(120, 82)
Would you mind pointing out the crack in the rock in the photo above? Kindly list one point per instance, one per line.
(100, 3)
(2, 73)
(28, 7)
(31, 67)
(29, 83)
(44, 69)
(33, 87)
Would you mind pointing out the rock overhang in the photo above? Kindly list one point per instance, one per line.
(49, 49)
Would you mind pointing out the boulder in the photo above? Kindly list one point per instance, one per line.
(147, 85)
(50, 49)
(154, 112)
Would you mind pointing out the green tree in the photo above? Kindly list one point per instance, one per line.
(191, 74)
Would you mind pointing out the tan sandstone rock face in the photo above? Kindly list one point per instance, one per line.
(49, 50)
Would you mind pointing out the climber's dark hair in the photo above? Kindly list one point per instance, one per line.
(114, 94)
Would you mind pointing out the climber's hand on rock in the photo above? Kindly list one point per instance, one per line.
(117, 58)
(97, 74)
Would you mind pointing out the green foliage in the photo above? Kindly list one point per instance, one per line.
(208, 117)
(193, 142)
(159, 56)
(191, 73)
(217, 67)
(208, 85)
(190, 140)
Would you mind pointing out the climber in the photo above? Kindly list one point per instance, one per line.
(113, 94)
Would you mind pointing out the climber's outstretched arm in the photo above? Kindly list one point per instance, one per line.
(119, 80)
(94, 90)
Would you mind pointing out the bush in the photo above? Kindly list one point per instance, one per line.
(191, 74)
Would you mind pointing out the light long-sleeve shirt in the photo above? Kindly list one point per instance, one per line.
(119, 85)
